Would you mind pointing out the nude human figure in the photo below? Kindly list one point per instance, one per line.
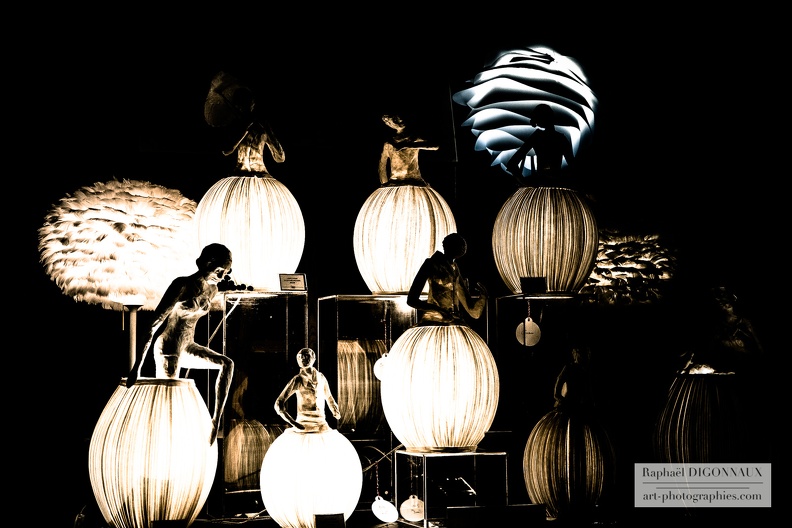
(448, 291)
(172, 335)
(399, 158)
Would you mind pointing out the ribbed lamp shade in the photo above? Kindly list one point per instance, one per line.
(440, 388)
(308, 474)
(700, 420)
(149, 458)
(243, 452)
(545, 232)
(395, 229)
(568, 464)
(260, 221)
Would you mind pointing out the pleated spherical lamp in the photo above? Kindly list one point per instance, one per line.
(568, 464)
(546, 232)
(305, 474)
(149, 457)
(397, 226)
(440, 388)
(260, 221)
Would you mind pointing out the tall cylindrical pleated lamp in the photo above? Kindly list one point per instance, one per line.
(397, 226)
(546, 232)
(149, 457)
(440, 388)
(310, 473)
(260, 221)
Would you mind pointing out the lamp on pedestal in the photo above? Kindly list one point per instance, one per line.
(532, 110)
(403, 220)
(251, 213)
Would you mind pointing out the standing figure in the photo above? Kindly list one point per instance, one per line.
(172, 336)
(550, 145)
(447, 289)
(399, 159)
(312, 392)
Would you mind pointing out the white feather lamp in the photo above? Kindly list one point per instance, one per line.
(118, 244)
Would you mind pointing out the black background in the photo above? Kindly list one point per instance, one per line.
(675, 151)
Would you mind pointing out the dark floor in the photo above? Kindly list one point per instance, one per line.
(527, 516)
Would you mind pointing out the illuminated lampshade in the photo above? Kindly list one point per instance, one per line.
(243, 452)
(395, 229)
(568, 464)
(307, 474)
(505, 94)
(545, 232)
(149, 458)
(119, 244)
(440, 388)
(359, 395)
(259, 220)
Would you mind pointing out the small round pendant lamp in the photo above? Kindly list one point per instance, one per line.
(149, 457)
(310, 473)
(440, 388)
(545, 232)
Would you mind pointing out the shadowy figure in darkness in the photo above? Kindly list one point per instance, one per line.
(550, 146)
(573, 391)
(231, 106)
(312, 392)
(172, 335)
(399, 160)
(447, 289)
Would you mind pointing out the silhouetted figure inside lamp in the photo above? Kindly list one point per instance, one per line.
(312, 392)
(231, 106)
(399, 160)
(573, 391)
(550, 146)
(172, 336)
(448, 291)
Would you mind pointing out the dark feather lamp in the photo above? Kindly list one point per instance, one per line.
(118, 244)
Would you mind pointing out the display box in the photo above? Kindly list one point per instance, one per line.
(442, 480)
(354, 331)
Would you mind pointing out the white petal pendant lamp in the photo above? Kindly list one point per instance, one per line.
(403, 220)
(546, 232)
(440, 388)
(118, 244)
(251, 213)
(149, 457)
